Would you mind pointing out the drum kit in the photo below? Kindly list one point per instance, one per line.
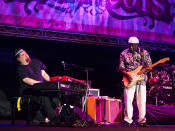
(161, 83)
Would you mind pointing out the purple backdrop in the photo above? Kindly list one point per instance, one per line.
(147, 19)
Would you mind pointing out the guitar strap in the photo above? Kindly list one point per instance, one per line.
(142, 56)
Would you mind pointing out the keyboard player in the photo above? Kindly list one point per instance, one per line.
(29, 72)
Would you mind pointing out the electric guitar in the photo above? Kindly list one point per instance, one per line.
(136, 75)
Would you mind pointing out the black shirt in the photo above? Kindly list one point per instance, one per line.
(32, 70)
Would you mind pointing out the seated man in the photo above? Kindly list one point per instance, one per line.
(29, 72)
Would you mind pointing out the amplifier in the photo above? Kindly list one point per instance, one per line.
(104, 109)
(94, 92)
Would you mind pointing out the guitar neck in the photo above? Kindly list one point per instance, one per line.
(145, 69)
(151, 66)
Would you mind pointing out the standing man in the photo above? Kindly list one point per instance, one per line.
(130, 59)
(29, 72)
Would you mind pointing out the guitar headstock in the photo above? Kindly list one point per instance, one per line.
(164, 60)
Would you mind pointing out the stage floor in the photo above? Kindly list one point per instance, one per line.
(20, 126)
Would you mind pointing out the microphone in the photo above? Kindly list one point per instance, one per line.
(64, 64)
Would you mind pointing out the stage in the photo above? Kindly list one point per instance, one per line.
(20, 126)
(159, 118)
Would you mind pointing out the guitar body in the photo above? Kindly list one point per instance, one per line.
(135, 78)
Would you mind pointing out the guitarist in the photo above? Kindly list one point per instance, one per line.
(130, 59)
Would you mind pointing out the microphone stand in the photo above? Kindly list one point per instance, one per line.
(85, 103)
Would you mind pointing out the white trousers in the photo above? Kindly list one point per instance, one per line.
(141, 102)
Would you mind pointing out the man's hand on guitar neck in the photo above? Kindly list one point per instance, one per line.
(148, 68)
